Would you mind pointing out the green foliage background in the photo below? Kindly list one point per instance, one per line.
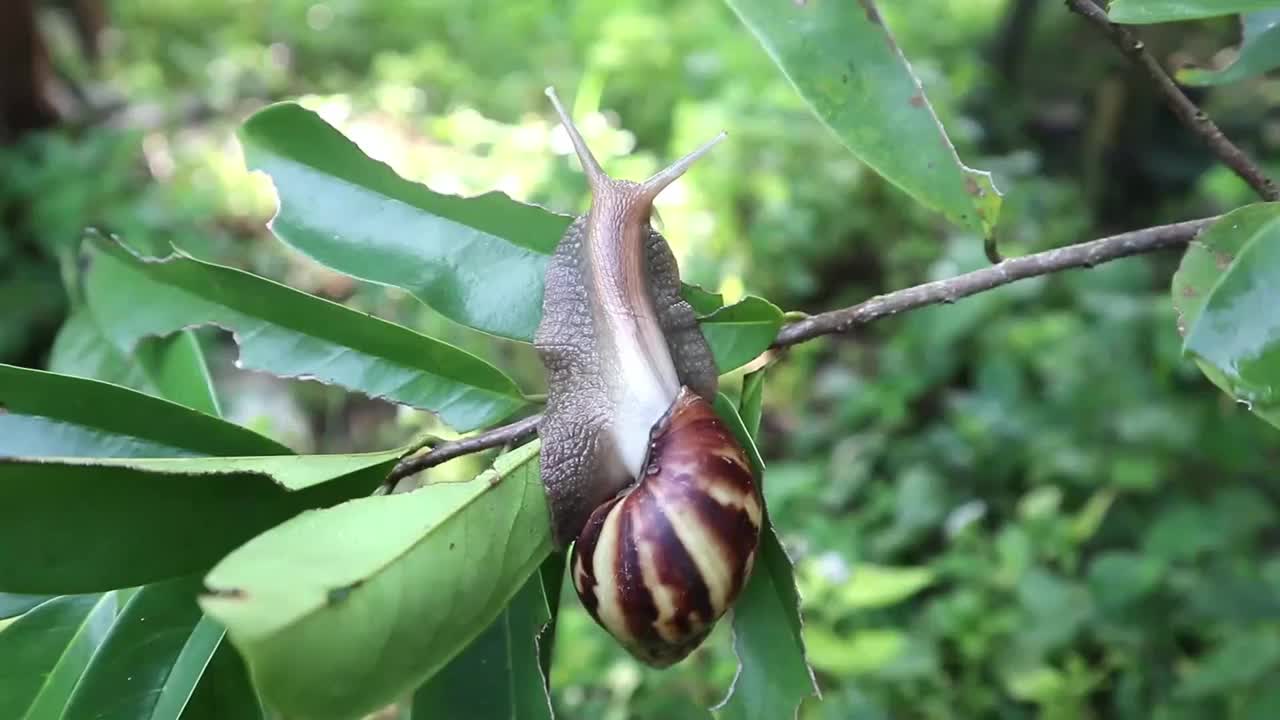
(1027, 504)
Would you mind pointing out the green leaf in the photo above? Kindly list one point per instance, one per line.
(224, 692)
(1224, 292)
(148, 665)
(342, 611)
(773, 676)
(172, 368)
(1243, 659)
(701, 300)
(1142, 12)
(478, 261)
(355, 215)
(1259, 53)
(43, 653)
(740, 332)
(751, 406)
(862, 651)
(81, 348)
(15, 604)
(844, 62)
(45, 414)
(98, 523)
(552, 573)
(177, 366)
(877, 586)
(498, 676)
(291, 334)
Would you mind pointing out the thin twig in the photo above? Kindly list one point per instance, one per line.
(1192, 116)
(1086, 254)
(510, 433)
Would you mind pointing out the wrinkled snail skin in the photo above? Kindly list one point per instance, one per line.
(641, 475)
(660, 564)
(616, 339)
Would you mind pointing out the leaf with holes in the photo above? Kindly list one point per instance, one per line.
(773, 675)
(843, 60)
(342, 611)
(127, 521)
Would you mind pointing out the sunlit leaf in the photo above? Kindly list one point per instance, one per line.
(1224, 292)
(44, 653)
(150, 661)
(478, 261)
(97, 523)
(773, 676)
(292, 334)
(1142, 12)
(844, 62)
(342, 611)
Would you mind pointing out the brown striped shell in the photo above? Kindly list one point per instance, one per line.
(659, 564)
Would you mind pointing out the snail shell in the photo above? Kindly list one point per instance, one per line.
(658, 565)
(637, 466)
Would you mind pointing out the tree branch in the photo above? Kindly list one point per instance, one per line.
(1086, 255)
(1191, 116)
(510, 433)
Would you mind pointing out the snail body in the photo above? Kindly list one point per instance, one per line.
(655, 494)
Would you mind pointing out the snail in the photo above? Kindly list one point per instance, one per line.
(653, 491)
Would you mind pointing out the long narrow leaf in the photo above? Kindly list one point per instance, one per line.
(45, 652)
(122, 522)
(150, 661)
(844, 62)
(292, 334)
(1159, 11)
(479, 261)
(773, 675)
(46, 414)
